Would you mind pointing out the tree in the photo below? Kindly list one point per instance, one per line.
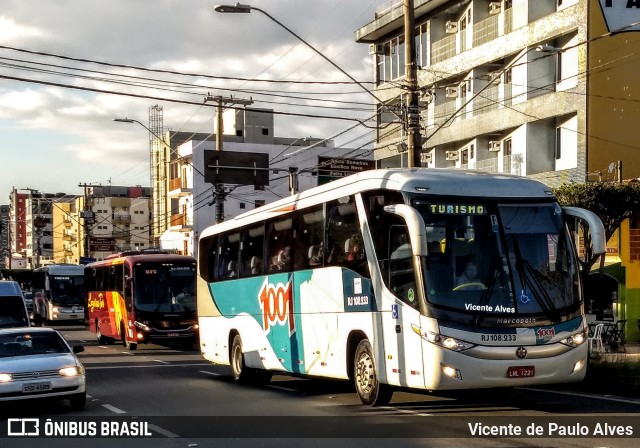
(613, 202)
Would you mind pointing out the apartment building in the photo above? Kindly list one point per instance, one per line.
(538, 88)
(195, 198)
(67, 230)
(121, 220)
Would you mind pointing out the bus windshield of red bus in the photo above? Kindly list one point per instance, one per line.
(67, 290)
(164, 287)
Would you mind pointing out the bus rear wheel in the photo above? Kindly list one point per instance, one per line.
(370, 391)
(243, 374)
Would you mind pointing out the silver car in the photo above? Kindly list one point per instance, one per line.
(38, 363)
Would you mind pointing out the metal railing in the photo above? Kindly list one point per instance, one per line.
(485, 31)
(443, 49)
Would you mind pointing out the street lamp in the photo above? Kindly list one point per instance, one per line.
(239, 8)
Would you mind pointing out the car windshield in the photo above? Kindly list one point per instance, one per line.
(165, 287)
(26, 344)
(67, 289)
(492, 259)
(12, 312)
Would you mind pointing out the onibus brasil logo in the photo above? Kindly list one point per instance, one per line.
(276, 303)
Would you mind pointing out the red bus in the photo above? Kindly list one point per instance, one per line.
(138, 297)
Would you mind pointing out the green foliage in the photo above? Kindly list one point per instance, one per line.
(613, 202)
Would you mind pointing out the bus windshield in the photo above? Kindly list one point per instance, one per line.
(164, 287)
(67, 290)
(490, 259)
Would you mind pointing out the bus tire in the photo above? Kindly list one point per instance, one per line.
(370, 391)
(243, 374)
(131, 346)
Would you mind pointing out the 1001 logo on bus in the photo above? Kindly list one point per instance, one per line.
(276, 303)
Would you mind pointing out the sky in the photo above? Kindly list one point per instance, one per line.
(69, 67)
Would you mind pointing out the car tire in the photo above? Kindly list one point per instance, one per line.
(102, 340)
(78, 401)
(131, 346)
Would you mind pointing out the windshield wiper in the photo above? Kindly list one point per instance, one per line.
(487, 293)
(529, 278)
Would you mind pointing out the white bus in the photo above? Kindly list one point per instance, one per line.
(427, 279)
(59, 293)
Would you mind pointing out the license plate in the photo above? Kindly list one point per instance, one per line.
(521, 372)
(35, 387)
(173, 335)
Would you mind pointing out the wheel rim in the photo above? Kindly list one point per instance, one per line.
(237, 360)
(98, 334)
(365, 375)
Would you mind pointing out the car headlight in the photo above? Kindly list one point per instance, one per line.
(71, 371)
(5, 377)
(575, 339)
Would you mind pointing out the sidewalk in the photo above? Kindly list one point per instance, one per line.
(627, 353)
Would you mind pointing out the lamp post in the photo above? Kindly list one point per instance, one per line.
(157, 220)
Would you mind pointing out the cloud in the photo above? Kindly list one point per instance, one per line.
(12, 32)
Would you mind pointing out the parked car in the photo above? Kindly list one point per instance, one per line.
(38, 363)
(13, 311)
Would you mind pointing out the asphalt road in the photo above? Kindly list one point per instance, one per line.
(184, 401)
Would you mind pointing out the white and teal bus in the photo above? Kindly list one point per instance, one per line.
(427, 279)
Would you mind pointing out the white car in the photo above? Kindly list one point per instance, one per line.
(38, 363)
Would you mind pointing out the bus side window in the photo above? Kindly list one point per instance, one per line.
(228, 256)
(280, 239)
(128, 279)
(309, 227)
(251, 251)
(402, 281)
(207, 257)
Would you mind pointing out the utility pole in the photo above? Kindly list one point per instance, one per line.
(220, 102)
(88, 219)
(414, 140)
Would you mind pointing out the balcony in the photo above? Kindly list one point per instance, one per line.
(122, 218)
(178, 188)
(180, 220)
(122, 234)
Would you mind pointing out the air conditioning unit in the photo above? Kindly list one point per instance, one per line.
(494, 145)
(451, 92)
(451, 27)
(494, 8)
(375, 49)
(426, 158)
(452, 155)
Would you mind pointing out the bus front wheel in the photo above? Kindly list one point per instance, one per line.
(243, 374)
(102, 340)
(125, 342)
(370, 391)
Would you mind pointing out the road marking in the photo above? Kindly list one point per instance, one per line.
(210, 373)
(114, 409)
(128, 353)
(405, 411)
(162, 431)
(582, 395)
(161, 361)
(145, 366)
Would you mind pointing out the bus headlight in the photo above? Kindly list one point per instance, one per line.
(446, 341)
(576, 339)
(142, 326)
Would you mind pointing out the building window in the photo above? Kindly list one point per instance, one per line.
(243, 206)
(259, 203)
(506, 147)
(238, 132)
(558, 143)
(265, 131)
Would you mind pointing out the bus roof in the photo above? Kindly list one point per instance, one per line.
(434, 181)
(139, 258)
(62, 269)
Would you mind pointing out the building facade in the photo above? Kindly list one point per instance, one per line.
(537, 88)
(196, 199)
(5, 251)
